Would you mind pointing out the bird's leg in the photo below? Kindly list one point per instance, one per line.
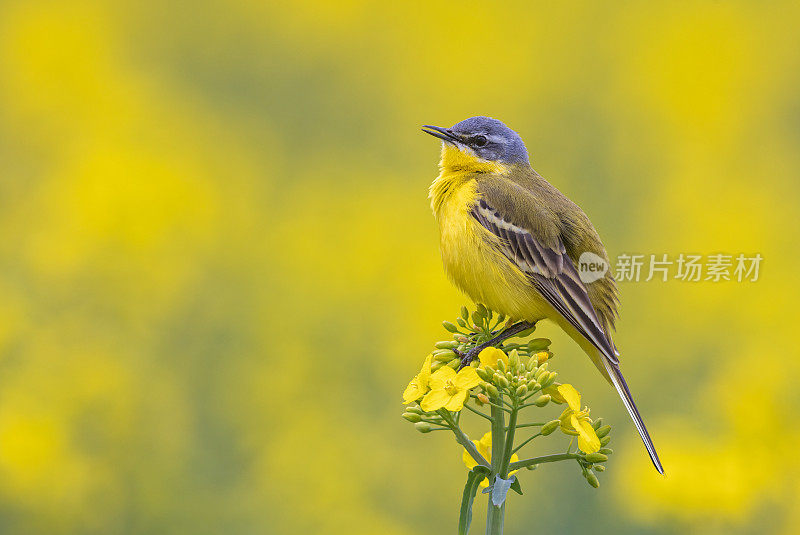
(514, 330)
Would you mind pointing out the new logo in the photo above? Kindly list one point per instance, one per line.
(591, 267)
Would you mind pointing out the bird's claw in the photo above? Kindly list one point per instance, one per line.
(466, 358)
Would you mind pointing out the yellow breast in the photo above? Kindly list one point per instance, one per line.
(471, 261)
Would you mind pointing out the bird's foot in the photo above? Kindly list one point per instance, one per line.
(468, 357)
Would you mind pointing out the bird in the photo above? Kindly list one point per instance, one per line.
(513, 242)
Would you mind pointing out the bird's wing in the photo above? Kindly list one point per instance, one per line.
(543, 257)
(530, 235)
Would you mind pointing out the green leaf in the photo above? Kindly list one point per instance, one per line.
(515, 486)
(474, 478)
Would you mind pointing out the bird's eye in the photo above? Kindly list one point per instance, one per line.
(479, 141)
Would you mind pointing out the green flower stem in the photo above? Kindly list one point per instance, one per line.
(531, 425)
(495, 515)
(543, 459)
(509, 444)
(531, 393)
(494, 518)
(498, 437)
(525, 442)
(463, 439)
(479, 413)
(496, 406)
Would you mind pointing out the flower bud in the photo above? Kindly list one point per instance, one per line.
(605, 440)
(412, 417)
(521, 391)
(592, 479)
(452, 327)
(455, 363)
(477, 318)
(527, 332)
(414, 408)
(464, 313)
(513, 359)
(482, 398)
(436, 365)
(597, 423)
(538, 344)
(484, 374)
(550, 426)
(543, 400)
(461, 323)
(423, 427)
(596, 458)
(606, 451)
(446, 344)
(445, 355)
(598, 468)
(492, 390)
(501, 366)
(541, 357)
(533, 385)
(603, 431)
(502, 381)
(550, 379)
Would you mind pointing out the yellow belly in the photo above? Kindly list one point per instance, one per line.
(475, 266)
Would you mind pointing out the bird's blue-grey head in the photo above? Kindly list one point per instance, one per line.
(488, 138)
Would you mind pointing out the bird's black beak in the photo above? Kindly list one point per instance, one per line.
(442, 133)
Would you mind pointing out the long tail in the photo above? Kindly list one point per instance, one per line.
(624, 392)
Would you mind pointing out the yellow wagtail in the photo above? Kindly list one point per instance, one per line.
(511, 241)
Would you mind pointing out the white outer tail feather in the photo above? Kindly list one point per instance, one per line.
(624, 392)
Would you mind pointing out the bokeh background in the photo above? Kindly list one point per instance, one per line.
(218, 268)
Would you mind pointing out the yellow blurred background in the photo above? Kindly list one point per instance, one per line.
(218, 267)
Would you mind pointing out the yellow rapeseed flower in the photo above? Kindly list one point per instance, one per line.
(484, 447)
(491, 355)
(575, 421)
(419, 384)
(450, 389)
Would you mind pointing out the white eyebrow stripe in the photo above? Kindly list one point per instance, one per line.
(496, 138)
